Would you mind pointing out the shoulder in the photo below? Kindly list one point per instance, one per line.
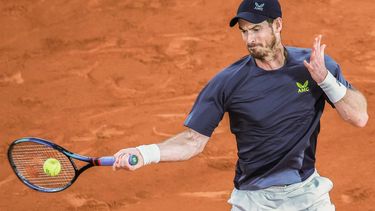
(298, 55)
(232, 73)
(226, 81)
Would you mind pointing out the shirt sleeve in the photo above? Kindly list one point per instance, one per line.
(336, 71)
(208, 109)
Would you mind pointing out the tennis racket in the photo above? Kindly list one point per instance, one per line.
(27, 157)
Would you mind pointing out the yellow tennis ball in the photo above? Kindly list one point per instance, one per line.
(52, 167)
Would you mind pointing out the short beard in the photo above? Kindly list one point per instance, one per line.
(266, 51)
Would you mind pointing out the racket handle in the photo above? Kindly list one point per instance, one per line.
(106, 161)
(109, 160)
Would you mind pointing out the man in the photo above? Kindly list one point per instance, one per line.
(275, 97)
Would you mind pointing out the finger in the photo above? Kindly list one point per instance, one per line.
(125, 161)
(119, 163)
(119, 153)
(308, 65)
(315, 43)
(312, 56)
(317, 47)
(114, 166)
(319, 41)
(119, 157)
(313, 48)
(321, 47)
(322, 50)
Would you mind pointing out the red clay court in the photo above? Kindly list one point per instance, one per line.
(96, 76)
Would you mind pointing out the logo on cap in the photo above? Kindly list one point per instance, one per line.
(259, 6)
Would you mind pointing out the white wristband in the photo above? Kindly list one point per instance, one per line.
(334, 90)
(150, 153)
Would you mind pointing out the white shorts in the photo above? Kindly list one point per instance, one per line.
(309, 195)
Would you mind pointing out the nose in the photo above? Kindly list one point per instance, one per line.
(248, 37)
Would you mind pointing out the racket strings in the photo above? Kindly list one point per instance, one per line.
(29, 158)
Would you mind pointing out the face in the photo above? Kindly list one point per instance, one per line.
(261, 39)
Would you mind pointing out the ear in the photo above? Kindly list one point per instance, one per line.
(278, 24)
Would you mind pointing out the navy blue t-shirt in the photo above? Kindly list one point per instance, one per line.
(274, 115)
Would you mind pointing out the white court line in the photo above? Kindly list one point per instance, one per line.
(171, 115)
(161, 133)
(209, 194)
(7, 180)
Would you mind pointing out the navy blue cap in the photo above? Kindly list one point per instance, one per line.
(257, 11)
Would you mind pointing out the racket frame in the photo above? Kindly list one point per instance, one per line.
(91, 161)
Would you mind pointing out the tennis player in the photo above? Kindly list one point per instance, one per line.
(275, 97)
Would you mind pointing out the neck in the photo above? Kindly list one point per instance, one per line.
(274, 60)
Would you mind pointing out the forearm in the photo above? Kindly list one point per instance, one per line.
(353, 108)
(180, 147)
(183, 146)
(349, 103)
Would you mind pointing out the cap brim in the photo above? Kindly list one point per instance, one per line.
(248, 16)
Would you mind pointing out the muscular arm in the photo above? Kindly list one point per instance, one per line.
(183, 146)
(353, 108)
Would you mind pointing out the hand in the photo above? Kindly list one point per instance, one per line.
(122, 159)
(317, 67)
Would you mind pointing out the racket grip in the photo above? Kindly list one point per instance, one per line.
(106, 161)
(109, 160)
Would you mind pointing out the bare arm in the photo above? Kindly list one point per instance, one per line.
(181, 147)
(352, 107)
